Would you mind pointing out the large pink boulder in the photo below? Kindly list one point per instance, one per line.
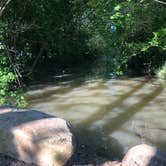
(144, 155)
(35, 137)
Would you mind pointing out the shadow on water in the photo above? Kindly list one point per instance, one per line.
(115, 123)
(99, 139)
(45, 95)
(87, 122)
(98, 142)
(94, 147)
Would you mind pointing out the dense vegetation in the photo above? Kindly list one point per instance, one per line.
(124, 37)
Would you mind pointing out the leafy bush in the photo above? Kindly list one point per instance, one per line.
(8, 88)
(8, 93)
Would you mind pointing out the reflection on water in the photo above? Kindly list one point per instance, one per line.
(109, 115)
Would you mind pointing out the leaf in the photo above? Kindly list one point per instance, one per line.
(117, 8)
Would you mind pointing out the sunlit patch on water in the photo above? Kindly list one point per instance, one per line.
(117, 112)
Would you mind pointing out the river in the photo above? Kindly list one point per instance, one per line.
(108, 115)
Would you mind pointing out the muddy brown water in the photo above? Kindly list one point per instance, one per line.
(109, 116)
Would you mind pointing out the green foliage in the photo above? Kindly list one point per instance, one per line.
(46, 30)
(121, 36)
(8, 94)
(141, 28)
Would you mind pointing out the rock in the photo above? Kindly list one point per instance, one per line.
(144, 155)
(35, 137)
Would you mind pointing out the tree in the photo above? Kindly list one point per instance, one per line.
(128, 35)
(129, 30)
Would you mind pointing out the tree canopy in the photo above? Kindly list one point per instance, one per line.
(130, 34)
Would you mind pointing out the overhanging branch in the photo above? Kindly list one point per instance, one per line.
(3, 7)
(162, 2)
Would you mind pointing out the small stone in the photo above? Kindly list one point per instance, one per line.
(144, 155)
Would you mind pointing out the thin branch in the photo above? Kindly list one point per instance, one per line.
(16, 71)
(162, 2)
(4, 7)
(37, 58)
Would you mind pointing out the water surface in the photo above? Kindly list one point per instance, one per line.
(110, 115)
